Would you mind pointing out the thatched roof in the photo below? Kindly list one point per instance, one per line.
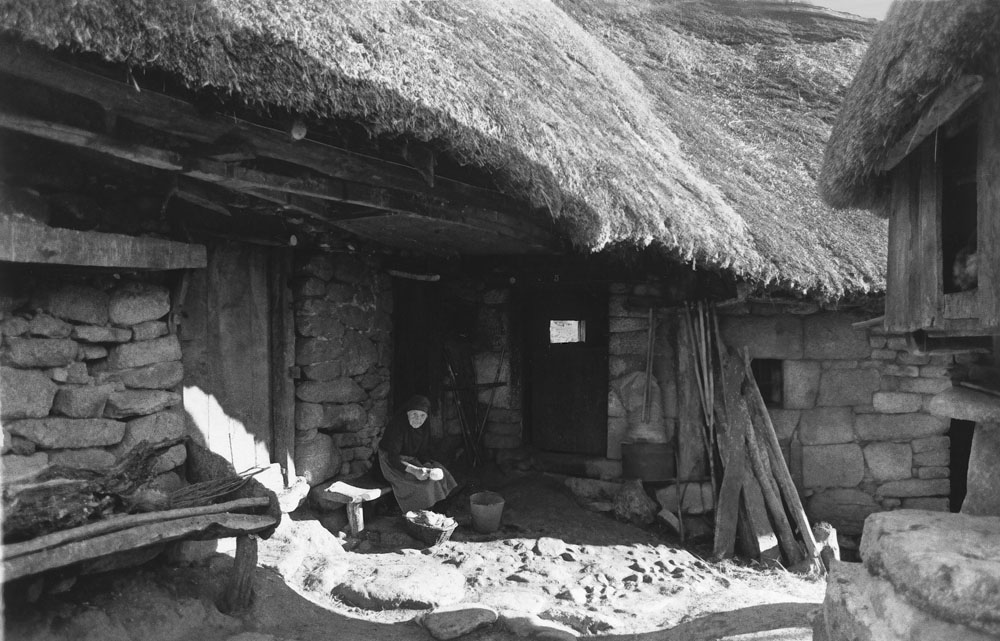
(920, 48)
(692, 128)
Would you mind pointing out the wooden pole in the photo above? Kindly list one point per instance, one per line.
(762, 470)
(649, 368)
(240, 591)
(732, 437)
(282, 362)
(690, 439)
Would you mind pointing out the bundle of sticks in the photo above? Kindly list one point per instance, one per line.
(757, 501)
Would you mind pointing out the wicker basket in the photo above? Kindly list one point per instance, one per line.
(428, 534)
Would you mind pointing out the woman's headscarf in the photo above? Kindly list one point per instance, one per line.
(417, 402)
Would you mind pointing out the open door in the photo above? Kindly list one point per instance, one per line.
(567, 345)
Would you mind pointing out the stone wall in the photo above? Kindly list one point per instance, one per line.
(343, 351)
(88, 370)
(855, 418)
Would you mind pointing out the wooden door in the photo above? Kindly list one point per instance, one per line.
(567, 350)
(417, 360)
(226, 345)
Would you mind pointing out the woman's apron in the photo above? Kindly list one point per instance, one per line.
(412, 494)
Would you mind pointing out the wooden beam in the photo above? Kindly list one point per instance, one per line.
(163, 112)
(282, 329)
(948, 102)
(23, 241)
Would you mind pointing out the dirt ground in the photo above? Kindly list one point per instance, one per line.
(582, 571)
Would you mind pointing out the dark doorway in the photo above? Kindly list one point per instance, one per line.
(417, 359)
(567, 357)
(960, 435)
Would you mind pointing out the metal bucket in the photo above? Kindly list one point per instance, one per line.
(487, 508)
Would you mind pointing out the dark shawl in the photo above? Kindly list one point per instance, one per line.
(400, 439)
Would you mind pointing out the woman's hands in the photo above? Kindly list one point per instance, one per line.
(424, 473)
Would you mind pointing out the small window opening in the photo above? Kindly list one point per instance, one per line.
(567, 331)
(960, 435)
(959, 220)
(767, 373)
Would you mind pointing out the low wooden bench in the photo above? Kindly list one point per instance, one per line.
(353, 494)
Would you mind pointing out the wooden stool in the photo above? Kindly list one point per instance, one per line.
(353, 497)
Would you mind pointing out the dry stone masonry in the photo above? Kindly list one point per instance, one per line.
(343, 350)
(87, 371)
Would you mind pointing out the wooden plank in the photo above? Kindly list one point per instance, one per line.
(117, 523)
(732, 433)
(761, 465)
(948, 102)
(282, 361)
(26, 241)
(903, 204)
(988, 204)
(205, 526)
(926, 254)
(240, 589)
(344, 492)
(756, 536)
(961, 304)
(690, 422)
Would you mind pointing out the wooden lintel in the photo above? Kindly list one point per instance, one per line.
(27, 241)
(947, 103)
(170, 114)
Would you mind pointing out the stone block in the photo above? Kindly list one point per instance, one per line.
(933, 472)
(694, 498)
(91, 458)
(914, 487)
(913, 359)
(356, 318)
(134, 303)
(360, 354)
(345, 418)
(826, 426)
(154, 428)
(845, 387)
(77, 374)
(626, 343)
(619, 365)
(149, 330)
(947, 563)
(25, 393)
(308, 287)
(981, 496)
(883, 355)
(617, 430)
(932, 458)
(315, 307)
(41, 352)
(877, 342)
(889, 461)
(927, 503)
(18, 445)
(381, 391)
(486, 364)
(14, 326)
(45, 326)
(779, 336)
(156, 376)
(171, 459)
(316, 350)
(82, 401)
(340, 293)
(326, 371)
(341, 390)
(308, 416)
(935, 371)
(132, 355)
(903, 371)
(896, 402)
(452, 622)
(801, 384)
(326, 326)
(58, 433)
(16, 468)
(898, 427)
(58, 374)
(924, 385)
(101, 334)
(616, 409)
(318, 265)
(830, 335)
(139, 402)
(832, 465)
(92, 352)
(846, 509)
(316, 459)
(76, 303)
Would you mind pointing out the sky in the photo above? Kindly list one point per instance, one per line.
(866, 8)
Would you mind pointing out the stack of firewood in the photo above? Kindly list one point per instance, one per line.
(757, 501)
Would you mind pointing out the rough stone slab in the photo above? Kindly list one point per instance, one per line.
(18, 445)
(139, 402)
(889, 461)
(25, 393)
(832, 465)
(341, 390)
(847, 387)
(92, 352)
(861, 607)
(924, 385)
(633, 505)
(131, 355)
(932, 443)
(317, 350)
(697, 497)
(58, 433)
(549, 546)
(914, 487)
(933, 472)
(156, 376)
(455, 621)
(902, 371)
(135, 303)
(308, 416)
(58, 374)
(41, 352)
(101, 334)
(76, 303)
(896, 402)
(15, 468)
(326, 371)
(947, 565)
(91, 458)
(82, 401)
(778, 336)
(154, 428)
(933, 458)
(966, 404)
(316, 459)
(898, 427)
(149, 330)
(801, 384)
(846, 509)
(316, 325)
(77, 374)
(826, 426)
(534, 627)
(981, 495)
(171, 459)
(409, 582)
(45, 326)
(830, 336)
(345, 418)
(14, 326)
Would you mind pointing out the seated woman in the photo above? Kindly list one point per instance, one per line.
(417, 482)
